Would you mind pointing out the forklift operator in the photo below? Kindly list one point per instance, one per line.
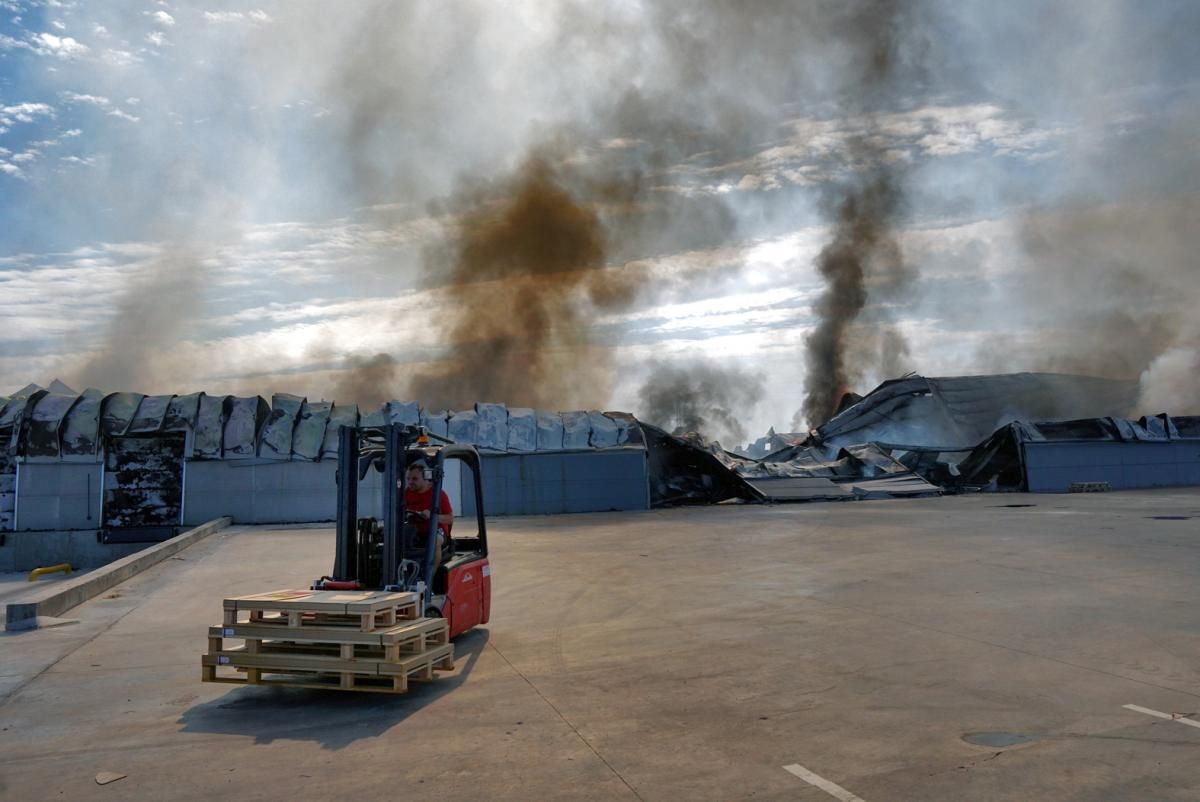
(418, 501)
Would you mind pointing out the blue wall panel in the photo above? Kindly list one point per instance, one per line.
(1053, 467)
(544, 484)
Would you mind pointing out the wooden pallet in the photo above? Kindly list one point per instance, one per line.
(405, 638)
(321, 671)
(363, 610)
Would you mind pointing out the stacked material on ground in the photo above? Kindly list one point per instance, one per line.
(343, 640)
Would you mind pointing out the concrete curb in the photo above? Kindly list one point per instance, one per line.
(62, 596)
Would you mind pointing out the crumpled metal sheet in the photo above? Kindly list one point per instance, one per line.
(628, 431)
(522, 430)
(12, 412)
(150, 414)
(246, 419)
(436, 422)
(376, 417)
(1160, 426)
(275, 442)
(403, 412)
(874, 461)
(604, 431)
(683, 471)
(117, 411)
(45, 421)
(309, 433)
(464, 427)
(339, 416)
(577, 430)
(492, 429)
(80, 434)
(10, 422)
(210, 426)
(181, 413)
(549, 431)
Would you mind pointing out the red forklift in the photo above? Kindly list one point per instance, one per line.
(387, 551)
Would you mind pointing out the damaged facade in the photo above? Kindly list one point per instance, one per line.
(127, 461)
(1039, 432)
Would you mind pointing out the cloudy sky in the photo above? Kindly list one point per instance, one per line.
(266, 198)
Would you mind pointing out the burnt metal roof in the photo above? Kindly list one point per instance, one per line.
(66, 426)
(961, 411)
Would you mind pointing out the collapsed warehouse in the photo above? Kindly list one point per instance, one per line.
(1039, 432)
(127, 461)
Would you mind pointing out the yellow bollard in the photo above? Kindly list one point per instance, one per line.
(51, 569)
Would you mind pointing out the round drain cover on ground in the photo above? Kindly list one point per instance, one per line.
(997, 740)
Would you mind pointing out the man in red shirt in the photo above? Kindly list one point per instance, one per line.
(418, 501)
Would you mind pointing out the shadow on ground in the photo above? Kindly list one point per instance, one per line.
(334, 719)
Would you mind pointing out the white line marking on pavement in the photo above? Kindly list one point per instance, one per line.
(1169, 717)
(833, 789)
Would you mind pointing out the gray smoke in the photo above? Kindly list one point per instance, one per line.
(1114, 291)
(702, 397)
(1105, 275)
(368, 382)
(156, 307)
(529, 250)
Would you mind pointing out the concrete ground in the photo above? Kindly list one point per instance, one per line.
(685, 654)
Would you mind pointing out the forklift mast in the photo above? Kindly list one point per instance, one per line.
(365, 544)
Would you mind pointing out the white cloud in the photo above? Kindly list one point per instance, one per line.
(120, 58)
(132, 101)
(58, 24)
(85, 160)
(63, 47)
(9, 43)
(101, 32)
(227, 17)
(224, 16)
(23, 113)
(73, 132)
(124, 115)
(27, 156)
(91, 100)
(163, 18)
(11, 169)
(156, 38)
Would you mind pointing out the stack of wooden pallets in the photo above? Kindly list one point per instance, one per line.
(349, 640)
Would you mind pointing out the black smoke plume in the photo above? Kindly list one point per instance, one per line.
(863, 258)
(704, 398)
